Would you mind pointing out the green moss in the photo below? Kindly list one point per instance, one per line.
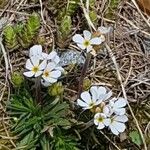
(10, 38)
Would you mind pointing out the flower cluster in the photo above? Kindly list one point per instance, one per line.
(108, 112)
(44, 65)
(87, 41)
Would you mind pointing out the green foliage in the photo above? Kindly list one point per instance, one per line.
(63, 142)
(17, 79)
(110, 13)
(72, 7)
(10, 37)
(22, 34)
(135, 138)
(65, 22)
(65, 28)
(29, 30)
(32, 123)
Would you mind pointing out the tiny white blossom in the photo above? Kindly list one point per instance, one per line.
(117, 105)
(35, 67)
(35, 51)
(117, 124)
(51, 74)
(94, 97)
(87, 41)
(101, 120)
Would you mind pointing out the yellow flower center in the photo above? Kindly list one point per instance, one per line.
(35, 69)
(46, 73)
(86, 43)
(100, 119)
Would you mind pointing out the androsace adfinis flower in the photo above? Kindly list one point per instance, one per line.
(87, 41)
(51, 74)
(101, 120)
(93, 97)
(35, 67)
(117, 124)
(116, 106)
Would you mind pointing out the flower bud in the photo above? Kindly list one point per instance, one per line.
(17, 79)
(86, 84)
(56, 89)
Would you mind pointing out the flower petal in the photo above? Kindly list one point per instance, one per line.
(35, 61)
(60, 69)
(52, 54)
(119, 126)
(89, 48)
(81, 103)
(121, 102)
(87, 34)
(50, 66)
(107, 111)
(100, 126)
(101, 90)
(120, 111)
(56, 59)
(93, 91)
(108, 95)
(35, 50)
(77, 38)
(43, 65)
(123, 118)
(81, 46)
(38, 73)
(28, 74)
(44, 56)
(29, 65)
(113, 130)
(55, 74)
(107, 122)
(50, 80)
(96, 41)
(96, 122)
(86, 97)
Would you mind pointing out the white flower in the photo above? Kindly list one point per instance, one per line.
(100, 93)
(87, 41)
(94, 97)
(51, 74)
(117, 106)
(117, 124)
(35, 67)
(101, 120)
(35, 51)
(53, 56)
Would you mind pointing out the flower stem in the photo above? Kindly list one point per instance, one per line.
(38, 90)
(83, 74)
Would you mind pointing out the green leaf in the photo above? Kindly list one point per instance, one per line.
(135, 137)
(28, 142)
(45, 143)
